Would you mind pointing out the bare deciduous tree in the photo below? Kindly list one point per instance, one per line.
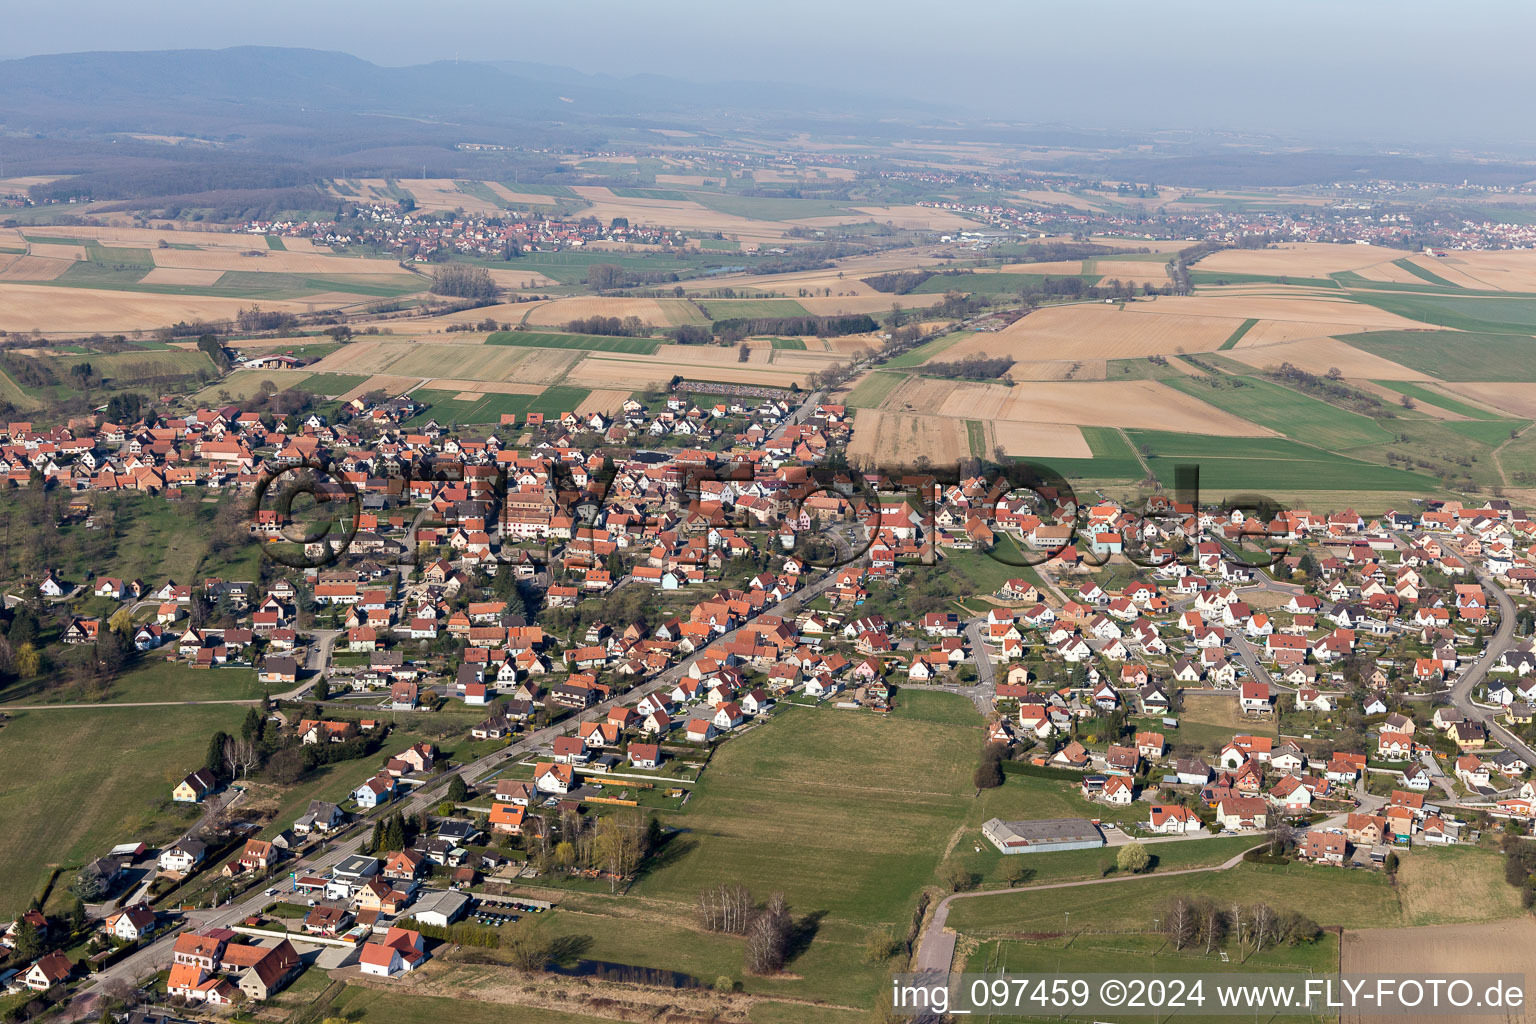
(725, 908)
(1181, 922)
(768, 937)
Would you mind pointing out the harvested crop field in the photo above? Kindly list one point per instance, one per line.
(603, 370)
(1266, 332)
(470, 362)
(52, 251)
(485, 387)
(1319, 355)
(31, 268)
(393, 386)
(684, 214)
(1136, 403)
(444, 194)
(1135, 271)
(656, 312)
(1514, 397)
(1314, 308)
(525, 198)
(1446, 950)
(1059, 369)
(883, 438)
(1507, 270)
(1099, 332)
(1299, 259)
(916, 218)
(24, 307)
(1052, 440)
(604, 400)
(181, 276)
(515, 280)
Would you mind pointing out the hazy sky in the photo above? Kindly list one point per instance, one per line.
(1408, 70)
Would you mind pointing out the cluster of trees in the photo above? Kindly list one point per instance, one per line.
(1209, 923)
(255, 319)
(614, 844)
(462, 281)
(28, 371)
(898, 282)
(730, 909)
(973, 367)
(1520, 868)
(989, 770)
(733, 330)
(693, 334)
(1331, 388)
(605, 277)
(610, 326)
(261, 746)
(390, 833)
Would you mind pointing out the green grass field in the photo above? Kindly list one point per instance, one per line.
(1427, 396)
(1199, 277)
(789, 344)
(1237, 335)
(976, 437)
(1288, 412)
(152, 679)
(1353, 899)
(1454, 356)
(831, 809)
(992, 284)
(331, 384)
(585, 342)
(1483, 313)
(873, 389)
(1421, 273)
(732, 309)
(1231, 464)
(107, 781)
(926, 351)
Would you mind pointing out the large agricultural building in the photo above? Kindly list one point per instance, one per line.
(1048, 836)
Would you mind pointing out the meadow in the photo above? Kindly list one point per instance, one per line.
(1455, 355)
(1231, 464)
(1285, 411)
(113, 771)
(1482, 313)
(1351, 899)
(827, 807)
(153, 678)
(331, 384)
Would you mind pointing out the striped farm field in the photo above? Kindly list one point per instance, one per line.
(1097, 331)
(653, 312)
(732, 309)
(581, 342)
